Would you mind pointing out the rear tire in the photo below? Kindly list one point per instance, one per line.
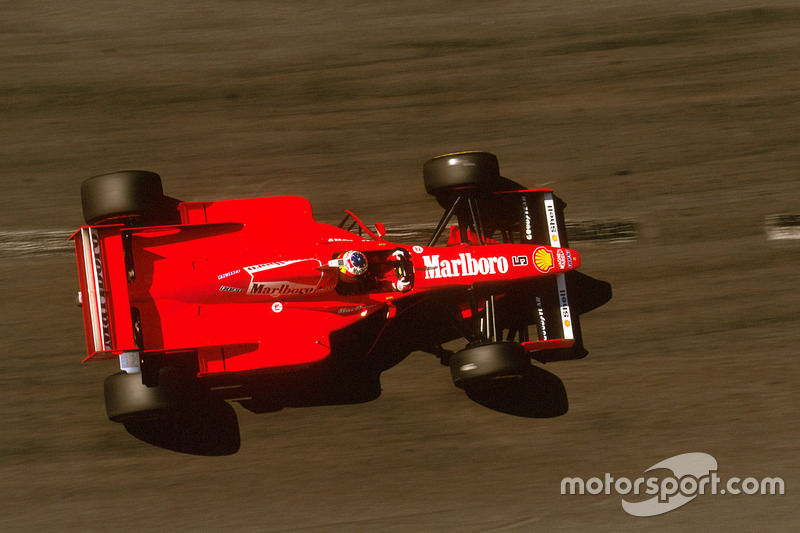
(122, 195)
(127, 398)
(445, 174)
(488, 363)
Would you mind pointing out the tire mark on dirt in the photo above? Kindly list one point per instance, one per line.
(55, 241)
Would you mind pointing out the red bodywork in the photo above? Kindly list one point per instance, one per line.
(247, 285)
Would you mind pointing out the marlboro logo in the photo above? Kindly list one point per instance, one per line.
(279, 288)
(465, 265)
(101, 290)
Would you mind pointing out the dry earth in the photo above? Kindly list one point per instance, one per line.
(683, 118)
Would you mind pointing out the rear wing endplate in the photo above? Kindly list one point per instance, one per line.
(108, 323)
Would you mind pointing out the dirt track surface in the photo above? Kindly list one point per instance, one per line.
(683, 118)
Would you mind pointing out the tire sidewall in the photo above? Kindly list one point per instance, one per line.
(488, 362)
(129, 193)
(463, 171)
(127, 398)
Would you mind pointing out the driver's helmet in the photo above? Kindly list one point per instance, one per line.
(353, 263)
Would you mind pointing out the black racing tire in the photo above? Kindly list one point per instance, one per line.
(447, 173)
(487, 363)
(127, 398)
(122, 195)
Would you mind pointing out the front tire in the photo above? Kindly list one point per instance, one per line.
(446, 174)
(488, 363)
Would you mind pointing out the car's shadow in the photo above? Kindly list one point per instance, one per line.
(210, 427)
(210, 430)
(540, 394)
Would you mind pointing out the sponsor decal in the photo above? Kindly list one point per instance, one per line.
(561, 258)
(101, 290)
(542, 321)
(269, 266)
(465, 265)
(227, 274)
(279, 288)
(569, 259)
(519, 260)
(562, 295)
(349, 310)
(552, 223)
(230, 289)
(543, 259)
(527, 215)
(417, 249)
(566, 318)
(337, 239)
(277, 307)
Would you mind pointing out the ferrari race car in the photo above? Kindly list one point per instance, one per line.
(254, 301)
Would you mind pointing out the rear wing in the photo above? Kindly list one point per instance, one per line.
(103, 295)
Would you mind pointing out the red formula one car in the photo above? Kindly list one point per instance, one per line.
(255, 301)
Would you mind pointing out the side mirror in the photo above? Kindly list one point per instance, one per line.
(381, 231)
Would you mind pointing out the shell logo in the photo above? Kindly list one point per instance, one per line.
(543, 259)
